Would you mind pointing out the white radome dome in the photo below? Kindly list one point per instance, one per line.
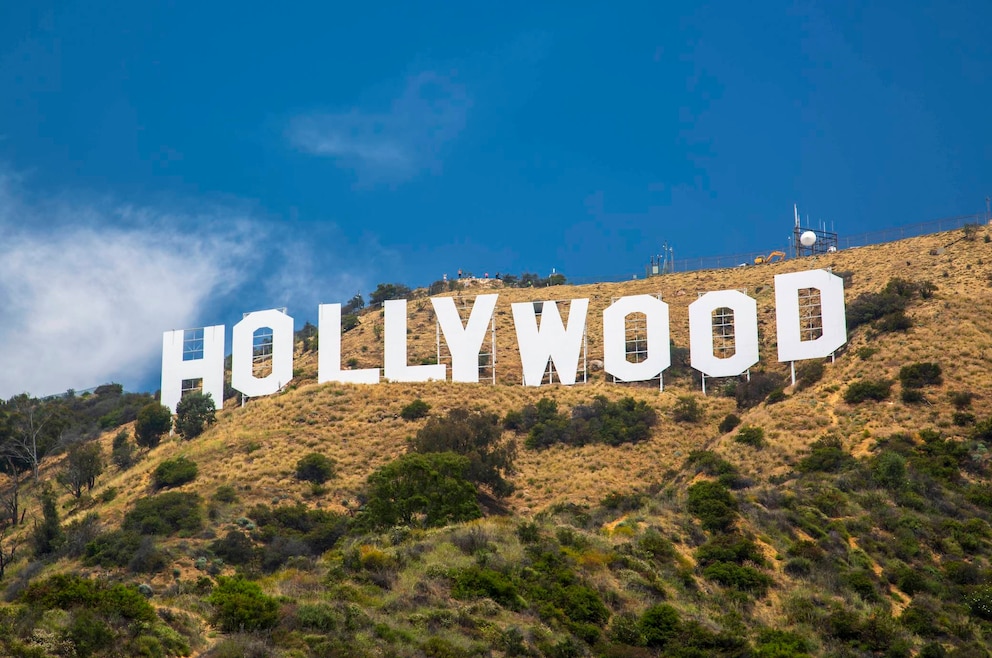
(807, 239)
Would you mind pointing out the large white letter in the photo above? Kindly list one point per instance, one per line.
(329, 351)
(397, 369)
(464, 342)
(615, 338)
(243, 349)
(745, 333)
(551, 340)
(208, 366)
(791, 346)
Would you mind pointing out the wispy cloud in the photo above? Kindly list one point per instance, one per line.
(393, 145)
(86, 290)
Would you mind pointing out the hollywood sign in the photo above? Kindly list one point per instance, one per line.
(538, 342)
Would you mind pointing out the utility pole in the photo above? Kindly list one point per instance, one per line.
(988, 215)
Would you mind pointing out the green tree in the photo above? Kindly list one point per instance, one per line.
(122, 452)
(82, 466)
(432, 488)
(387, 291)
(47, 536)
(476, 436)
(153, 421)
(194, 413)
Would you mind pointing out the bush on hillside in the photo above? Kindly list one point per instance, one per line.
(750, 435)
(240, 606)
(164, 514)
(867, 389)
(174, 472)
(729, 422)
(826, 455)
(752, 392)
(919, 375)
(713, 504)
(315, 468)
(416, 409)
(687, 410)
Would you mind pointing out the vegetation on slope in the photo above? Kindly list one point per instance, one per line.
(763, 520)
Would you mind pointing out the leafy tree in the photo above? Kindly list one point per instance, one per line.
(476, 436)
(712, 504)
(153, 422)
(354, 304)
(194, 413)
(31, 430)
(122, 452)
(386, 291)
(47, 536)
(315, 468)
(82, 466)
(432, 488)
(241, 606)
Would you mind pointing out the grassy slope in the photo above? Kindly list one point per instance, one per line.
(255, 448)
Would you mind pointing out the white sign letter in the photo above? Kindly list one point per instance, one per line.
(745, 333)
(791, 346)
(615, 338)
(397, 369)
(243, 349)
(329, 351)
(207, 348)
(551, 340)
(464, 342)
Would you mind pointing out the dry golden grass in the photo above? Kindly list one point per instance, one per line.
(255, 448)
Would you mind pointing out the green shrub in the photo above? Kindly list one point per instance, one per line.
(315, 468)
(659, 624)
(751, 436)
(729, 422)
(475, 582)
(225, 493)
(893, 322)
(826, 456)
(241, 606)
(963, 418)
(124, 548)
(888, 469)
(164, 514)
(712, 504)
(416, 409)
(961, 399)
(919, 375)
(122, 452)
(773, 643)
(979, 602)
(867, 389)
(174, 472)
(687, 410)
(742, 578)
(729, 547)
(613, 423)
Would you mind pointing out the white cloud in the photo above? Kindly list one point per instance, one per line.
(86, 291)
(394, 145)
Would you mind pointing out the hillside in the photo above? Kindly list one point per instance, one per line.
(818, 525)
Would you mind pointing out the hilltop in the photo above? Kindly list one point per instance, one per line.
(759, 519)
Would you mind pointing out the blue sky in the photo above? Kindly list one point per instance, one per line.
(173, 164)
